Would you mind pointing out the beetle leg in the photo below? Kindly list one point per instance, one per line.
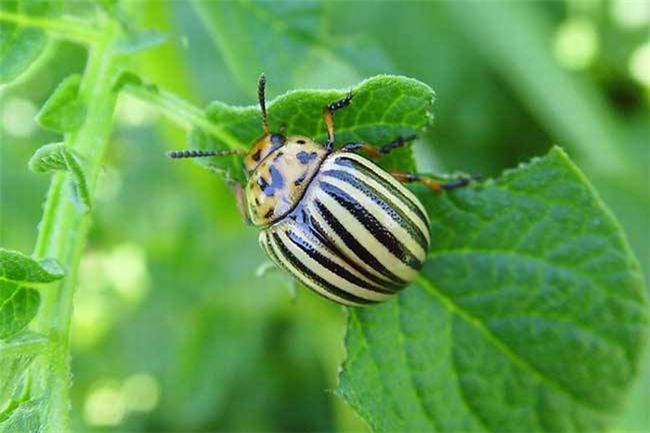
(328, 117)
(375, 152)
(433, 184)
(396, 144)
(241, 200)
(371, 151)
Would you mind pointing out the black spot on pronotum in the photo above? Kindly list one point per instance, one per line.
(256, 155)
(306, 157)
(264, 186)
(300, 141)
(269, 213)
(278, 140)
(301, 179)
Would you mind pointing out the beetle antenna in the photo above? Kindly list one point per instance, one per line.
(179, 154)
(261, 96)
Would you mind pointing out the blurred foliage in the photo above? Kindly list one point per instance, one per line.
(168, 298)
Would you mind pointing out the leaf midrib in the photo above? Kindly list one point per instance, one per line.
(499, 344)
(31, 283)
(426, 410)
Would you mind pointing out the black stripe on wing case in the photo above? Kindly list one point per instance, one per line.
(383, 202)
(371, 224)
(353, 244)
(266, 246)
(312, 251)
(319, 233)
(380, 178)
(300, 266)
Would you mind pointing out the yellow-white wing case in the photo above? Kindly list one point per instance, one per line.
(357, 236)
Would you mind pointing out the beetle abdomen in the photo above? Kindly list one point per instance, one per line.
(358, 235)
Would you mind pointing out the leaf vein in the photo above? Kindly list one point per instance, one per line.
(416, 389)
(500, 345)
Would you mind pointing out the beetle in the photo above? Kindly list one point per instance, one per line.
(343, 226)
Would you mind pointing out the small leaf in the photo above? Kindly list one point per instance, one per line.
(529, 315)
(80, 191)
(128, 77)
(56, 156)
(21, 46)
(15, 266)
(49, 157)
(63, 111)
(124, 78)
(18, 299)
(383, 108)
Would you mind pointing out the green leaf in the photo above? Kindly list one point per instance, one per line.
(18, 299)
(529, 314)
(49, 157)
(383, 108)
(21, 46)
(63, 111)
(57, 156)
(19, 306)
(257, 36)
(127, 77)
(298, 43)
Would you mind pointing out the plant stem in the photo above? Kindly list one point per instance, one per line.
(63, 27)
(182, 112)
(64, 228)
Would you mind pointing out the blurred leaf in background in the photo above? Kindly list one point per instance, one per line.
(168, 303)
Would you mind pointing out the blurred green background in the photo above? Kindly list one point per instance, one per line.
(174, 330)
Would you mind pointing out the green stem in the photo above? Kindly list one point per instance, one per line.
(182, 112)
(64, 228)
(63, 27)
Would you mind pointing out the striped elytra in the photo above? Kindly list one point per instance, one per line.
(356, 236)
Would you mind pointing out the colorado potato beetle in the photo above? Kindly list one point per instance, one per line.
(333, 219)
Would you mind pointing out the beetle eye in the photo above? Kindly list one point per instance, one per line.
(278, 140)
